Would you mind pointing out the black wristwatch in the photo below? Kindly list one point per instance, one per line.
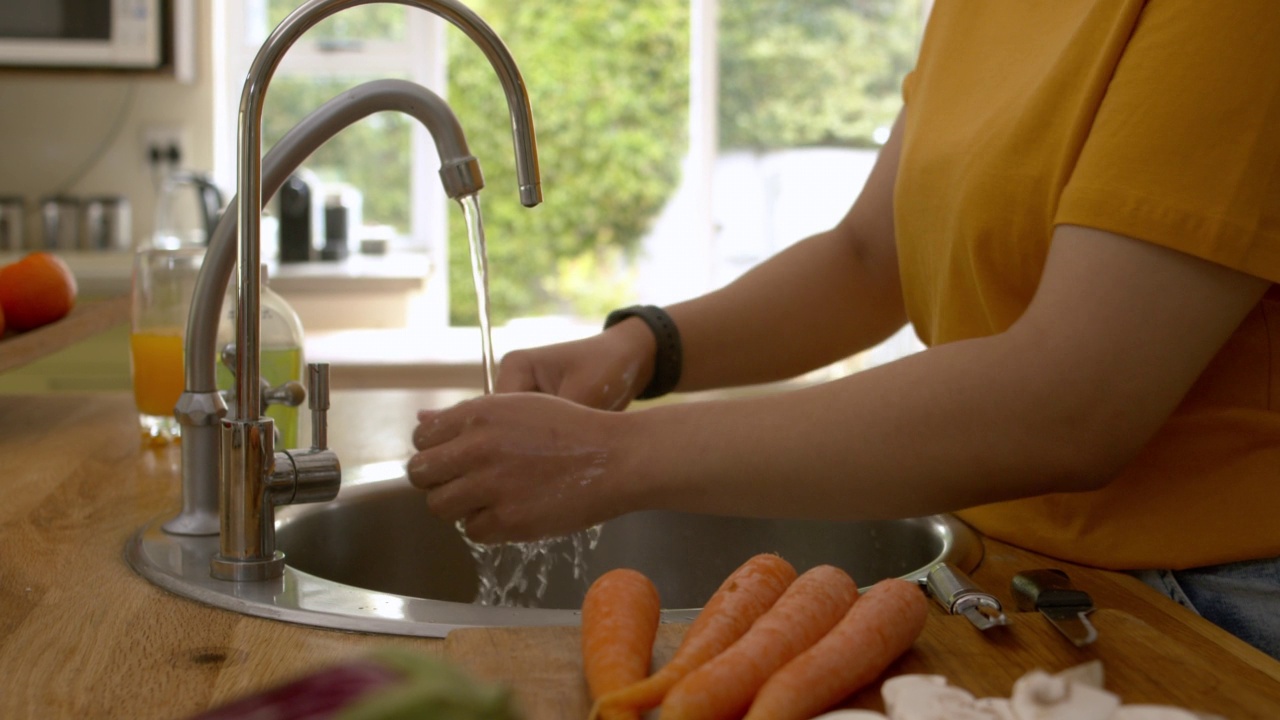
(667, 358)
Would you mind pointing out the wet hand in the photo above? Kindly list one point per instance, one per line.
(605, 371)
(519, 466)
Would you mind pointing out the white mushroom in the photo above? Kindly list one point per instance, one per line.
(928, 697)
(853, 715)
(1041, 696)
(1073, 694)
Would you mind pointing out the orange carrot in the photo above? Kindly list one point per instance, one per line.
(742, 598)
(882, 625)
(723, 688)
(619, 621)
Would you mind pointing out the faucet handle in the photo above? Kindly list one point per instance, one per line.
(318, 402)
(290, 394)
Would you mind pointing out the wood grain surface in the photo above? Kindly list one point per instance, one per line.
(82, 636)
(85, 320)
(1142, 665)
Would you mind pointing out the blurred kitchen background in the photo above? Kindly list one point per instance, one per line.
(681, 142)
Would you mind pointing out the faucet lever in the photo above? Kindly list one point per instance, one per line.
(313, 475)
(288, 394)
(318, 402)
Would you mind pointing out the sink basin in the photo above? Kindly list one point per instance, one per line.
(373, 560)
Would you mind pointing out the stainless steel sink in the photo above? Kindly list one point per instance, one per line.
(373, 560)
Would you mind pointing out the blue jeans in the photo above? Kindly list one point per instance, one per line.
(1242, 598)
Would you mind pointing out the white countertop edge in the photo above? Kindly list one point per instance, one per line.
(441, 346)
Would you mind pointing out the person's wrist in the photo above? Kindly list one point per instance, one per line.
(627, 486)
(635, 346)
(656, 340)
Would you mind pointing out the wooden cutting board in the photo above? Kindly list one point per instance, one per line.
(85, 320)
(543, 665)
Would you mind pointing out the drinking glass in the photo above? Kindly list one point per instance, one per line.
(164, 279)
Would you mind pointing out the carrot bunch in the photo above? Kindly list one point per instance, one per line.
(768, 644)
(744, 596)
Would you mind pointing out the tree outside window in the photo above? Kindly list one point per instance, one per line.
(610, 86)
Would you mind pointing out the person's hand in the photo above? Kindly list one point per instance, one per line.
(605, 371)
(520, 466)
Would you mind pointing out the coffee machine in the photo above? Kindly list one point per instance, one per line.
(301, 213)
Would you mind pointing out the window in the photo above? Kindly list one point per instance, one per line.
(681, 141)
(387, 158)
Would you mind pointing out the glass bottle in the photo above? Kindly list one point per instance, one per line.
(280, 332)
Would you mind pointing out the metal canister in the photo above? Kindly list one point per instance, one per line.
(61, 215)
(106, 223)
(13, 225)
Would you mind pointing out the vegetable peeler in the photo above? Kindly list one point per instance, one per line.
(958, 595)
(1050, 591)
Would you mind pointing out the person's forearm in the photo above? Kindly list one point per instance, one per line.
(814, 303)
(957, 426)
(1059, 402)
(823, 299)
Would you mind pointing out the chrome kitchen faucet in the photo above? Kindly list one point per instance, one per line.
(232, 476)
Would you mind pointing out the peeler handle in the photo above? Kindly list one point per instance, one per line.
(959, 595)
(1047, 588)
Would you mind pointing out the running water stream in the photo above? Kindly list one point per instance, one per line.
(514, 574)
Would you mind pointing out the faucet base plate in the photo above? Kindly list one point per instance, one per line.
(224, 568)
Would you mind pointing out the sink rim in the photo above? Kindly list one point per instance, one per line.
(180, 565)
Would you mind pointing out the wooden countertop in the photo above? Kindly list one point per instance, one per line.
(82, 636)
(85, 320)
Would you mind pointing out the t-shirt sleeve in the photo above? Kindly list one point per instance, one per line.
(1185, 148)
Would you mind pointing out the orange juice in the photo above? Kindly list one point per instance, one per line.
(157, 372)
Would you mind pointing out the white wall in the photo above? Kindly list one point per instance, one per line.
(52, 123)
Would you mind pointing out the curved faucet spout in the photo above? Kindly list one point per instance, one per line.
(459, 173)
(248, 167)
(200, 406)
(253, 479)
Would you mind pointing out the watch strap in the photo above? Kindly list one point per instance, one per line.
(668, 356)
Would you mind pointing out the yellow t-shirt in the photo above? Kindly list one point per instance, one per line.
(1155, 119)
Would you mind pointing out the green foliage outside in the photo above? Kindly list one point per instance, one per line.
(609, 85)
(349, 27)
(370, 155)
(609, 82)
(812, 72)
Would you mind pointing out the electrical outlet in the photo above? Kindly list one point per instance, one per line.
(164, 144)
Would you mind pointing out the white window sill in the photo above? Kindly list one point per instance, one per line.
(443, 357)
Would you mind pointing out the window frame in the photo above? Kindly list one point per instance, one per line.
(420, 57)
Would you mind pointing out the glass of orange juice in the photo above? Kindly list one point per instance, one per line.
(164, 278)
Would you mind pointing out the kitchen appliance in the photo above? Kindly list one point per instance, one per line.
(301, 209)
(61, 218)
(121, 34)
(343, 217)
(13, 211)
(106, 223)
(208, 196)
(208, 204)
